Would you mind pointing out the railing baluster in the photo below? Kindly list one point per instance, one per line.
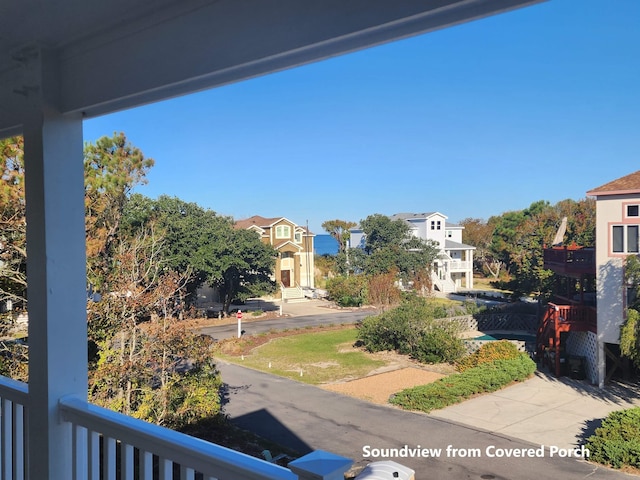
(187, 473)
(165, 468)
(126, 468)
(80, 453)
(109, 458)
(94, 455)
(7, 439)
(146, 465)
(18, 444)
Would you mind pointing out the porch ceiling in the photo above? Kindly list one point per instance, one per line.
(116, 54)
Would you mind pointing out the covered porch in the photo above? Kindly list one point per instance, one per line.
(64, 61)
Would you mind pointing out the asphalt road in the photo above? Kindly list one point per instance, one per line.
(308, 418)
(221, 332)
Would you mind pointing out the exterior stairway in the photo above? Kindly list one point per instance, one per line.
(556, 320)
(444, 286)
(292, 293)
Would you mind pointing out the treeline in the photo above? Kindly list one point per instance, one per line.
(145, 259)
(509, 247)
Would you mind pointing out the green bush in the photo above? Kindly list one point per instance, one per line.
(617, 441)
(348, 291)
(413, 329)
(487, 377)
(489, 352)
(437, 345)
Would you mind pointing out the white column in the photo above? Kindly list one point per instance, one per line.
(54, 177)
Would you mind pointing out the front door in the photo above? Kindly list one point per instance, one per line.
(285, 278)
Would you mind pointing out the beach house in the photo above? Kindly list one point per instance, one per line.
(582, 322)
(453, 269)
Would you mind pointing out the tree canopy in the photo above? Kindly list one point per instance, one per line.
(13, 252)
(515, 240)
(112, 168)
(339, 229)
(233, 260)
(389, 245)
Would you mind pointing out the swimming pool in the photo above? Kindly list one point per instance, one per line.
(523, 337)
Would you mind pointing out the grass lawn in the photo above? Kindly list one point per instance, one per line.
(314, 358)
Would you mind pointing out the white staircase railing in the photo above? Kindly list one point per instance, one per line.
(444, 285)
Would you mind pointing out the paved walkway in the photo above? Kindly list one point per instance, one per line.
(544, 410)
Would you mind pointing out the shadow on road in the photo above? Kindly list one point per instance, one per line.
(262, 423)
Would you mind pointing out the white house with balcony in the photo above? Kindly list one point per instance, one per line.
(64, 61)
(453, 269)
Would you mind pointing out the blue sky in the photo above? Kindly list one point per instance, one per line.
(541, 103)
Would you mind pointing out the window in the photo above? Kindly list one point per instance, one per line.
(283, 231)
(618, 239)
(632, 210)
(298, 237)
(435, 225)
(449, 234)
(438, 225)
(632, 239)
(286, 254)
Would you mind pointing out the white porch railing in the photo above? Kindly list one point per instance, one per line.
(111, 446)
(457, 265)
(13, 439)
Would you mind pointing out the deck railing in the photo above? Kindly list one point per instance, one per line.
(13, 438)
(460, 265)
(110, 446)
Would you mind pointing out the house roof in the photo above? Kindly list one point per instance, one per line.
(451, 245)
(264, 222)
(258, 221)
(629, 184)
(412, 216)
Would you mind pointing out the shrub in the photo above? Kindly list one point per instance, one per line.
(412, 329)
(348, 291)
(617, 441)
(489, 352)
(440, 344)
(487, 377)
(630, 337)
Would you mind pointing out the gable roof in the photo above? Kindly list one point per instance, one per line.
(629, 184)
(264, 222)
(256, 220)
(413, 216)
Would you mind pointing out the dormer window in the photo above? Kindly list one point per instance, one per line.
(283, 231)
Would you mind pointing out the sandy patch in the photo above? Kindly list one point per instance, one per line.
(378, 388)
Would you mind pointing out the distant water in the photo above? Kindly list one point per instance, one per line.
(325, 245)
